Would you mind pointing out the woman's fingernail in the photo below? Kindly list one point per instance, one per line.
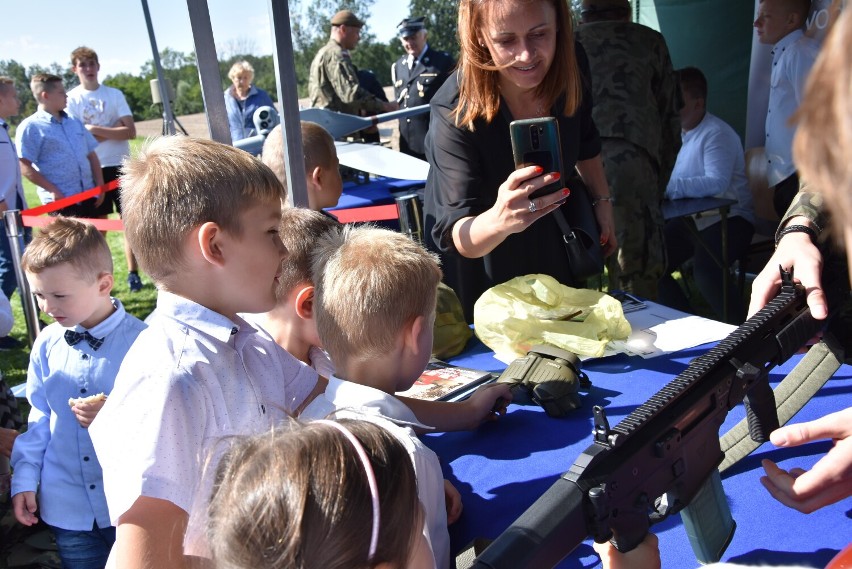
(539, 169)
(566, 192)
(556, 176)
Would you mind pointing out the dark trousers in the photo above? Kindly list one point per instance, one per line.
(784, 192)
(8, 281)
(681, 245)
(406, 149)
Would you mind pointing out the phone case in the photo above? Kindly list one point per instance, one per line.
(535, 142)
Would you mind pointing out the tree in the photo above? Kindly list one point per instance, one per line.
(441, 22)
(16, 71)
(137, 91)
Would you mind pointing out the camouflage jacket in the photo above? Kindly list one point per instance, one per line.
(808, 204)
(334, 83)
(635, 90)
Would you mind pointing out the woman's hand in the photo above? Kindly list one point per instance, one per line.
(592, 172)
(603, 213)
(512, 212)
(514, 209)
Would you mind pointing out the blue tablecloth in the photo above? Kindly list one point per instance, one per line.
(503, 467)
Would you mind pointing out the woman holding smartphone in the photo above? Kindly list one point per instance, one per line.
(518, 61)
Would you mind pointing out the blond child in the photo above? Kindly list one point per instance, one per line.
(56, 152)
(203, 221)
(293, 326)
(291, 322)
(322, 167)
(374, 305)
(73, 365)
(336, 495)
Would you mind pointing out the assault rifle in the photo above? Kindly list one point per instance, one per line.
(663, 457)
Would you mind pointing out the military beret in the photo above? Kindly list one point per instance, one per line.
(410, 26)
(346, 18)
(592, 6)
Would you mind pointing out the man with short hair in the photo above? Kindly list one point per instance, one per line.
(710, 164)
(334, 78)
(417, 76)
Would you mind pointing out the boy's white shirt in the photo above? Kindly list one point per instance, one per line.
(191, 380)
(345, 399)
(103, 106)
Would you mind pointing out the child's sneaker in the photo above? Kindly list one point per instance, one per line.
(134, 282)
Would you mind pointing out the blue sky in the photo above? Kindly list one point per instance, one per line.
(46, 31)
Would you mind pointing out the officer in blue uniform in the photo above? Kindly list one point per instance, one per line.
(417, 75)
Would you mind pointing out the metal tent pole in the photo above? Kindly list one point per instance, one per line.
(285, 77)
(168, 115)
(15, 231)
(208, 71)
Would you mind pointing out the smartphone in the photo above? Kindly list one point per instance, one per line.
(535, 142)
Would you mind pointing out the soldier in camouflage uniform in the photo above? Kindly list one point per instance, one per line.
(334, 82)
(636, 102)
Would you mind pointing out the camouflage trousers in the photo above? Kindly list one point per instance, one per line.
(639, 262)
(21, 547)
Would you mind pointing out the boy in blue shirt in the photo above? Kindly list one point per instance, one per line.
(73, 365)
(56, 152)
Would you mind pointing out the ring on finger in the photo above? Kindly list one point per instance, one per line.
(532, 206)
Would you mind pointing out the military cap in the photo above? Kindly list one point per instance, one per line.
(593, 6)
(346, 18)
(410, 26)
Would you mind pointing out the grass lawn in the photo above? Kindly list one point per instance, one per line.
(13, 363)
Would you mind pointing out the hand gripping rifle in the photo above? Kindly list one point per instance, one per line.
(663, 457)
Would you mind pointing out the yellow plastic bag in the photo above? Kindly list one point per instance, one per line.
(513, 316)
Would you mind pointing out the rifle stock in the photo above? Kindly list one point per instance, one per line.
(664, 455)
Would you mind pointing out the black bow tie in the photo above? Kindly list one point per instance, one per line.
(73, 338)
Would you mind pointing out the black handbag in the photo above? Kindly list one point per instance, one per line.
(580, 233)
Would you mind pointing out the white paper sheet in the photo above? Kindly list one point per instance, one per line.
(659, 330)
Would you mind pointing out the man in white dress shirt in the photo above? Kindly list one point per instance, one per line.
(710, 164)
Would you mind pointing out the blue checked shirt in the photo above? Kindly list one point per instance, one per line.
(55, 455)
(59, 150)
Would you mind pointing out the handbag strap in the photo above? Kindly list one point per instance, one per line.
(563, 223)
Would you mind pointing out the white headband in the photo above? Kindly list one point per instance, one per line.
(371, 480)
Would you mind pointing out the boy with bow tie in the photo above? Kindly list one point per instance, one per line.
(56, 472)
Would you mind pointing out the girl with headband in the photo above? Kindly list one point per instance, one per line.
(337, 495)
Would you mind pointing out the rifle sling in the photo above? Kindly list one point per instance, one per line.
(794, 391)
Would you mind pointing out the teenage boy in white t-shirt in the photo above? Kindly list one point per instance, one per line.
(107, 116)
